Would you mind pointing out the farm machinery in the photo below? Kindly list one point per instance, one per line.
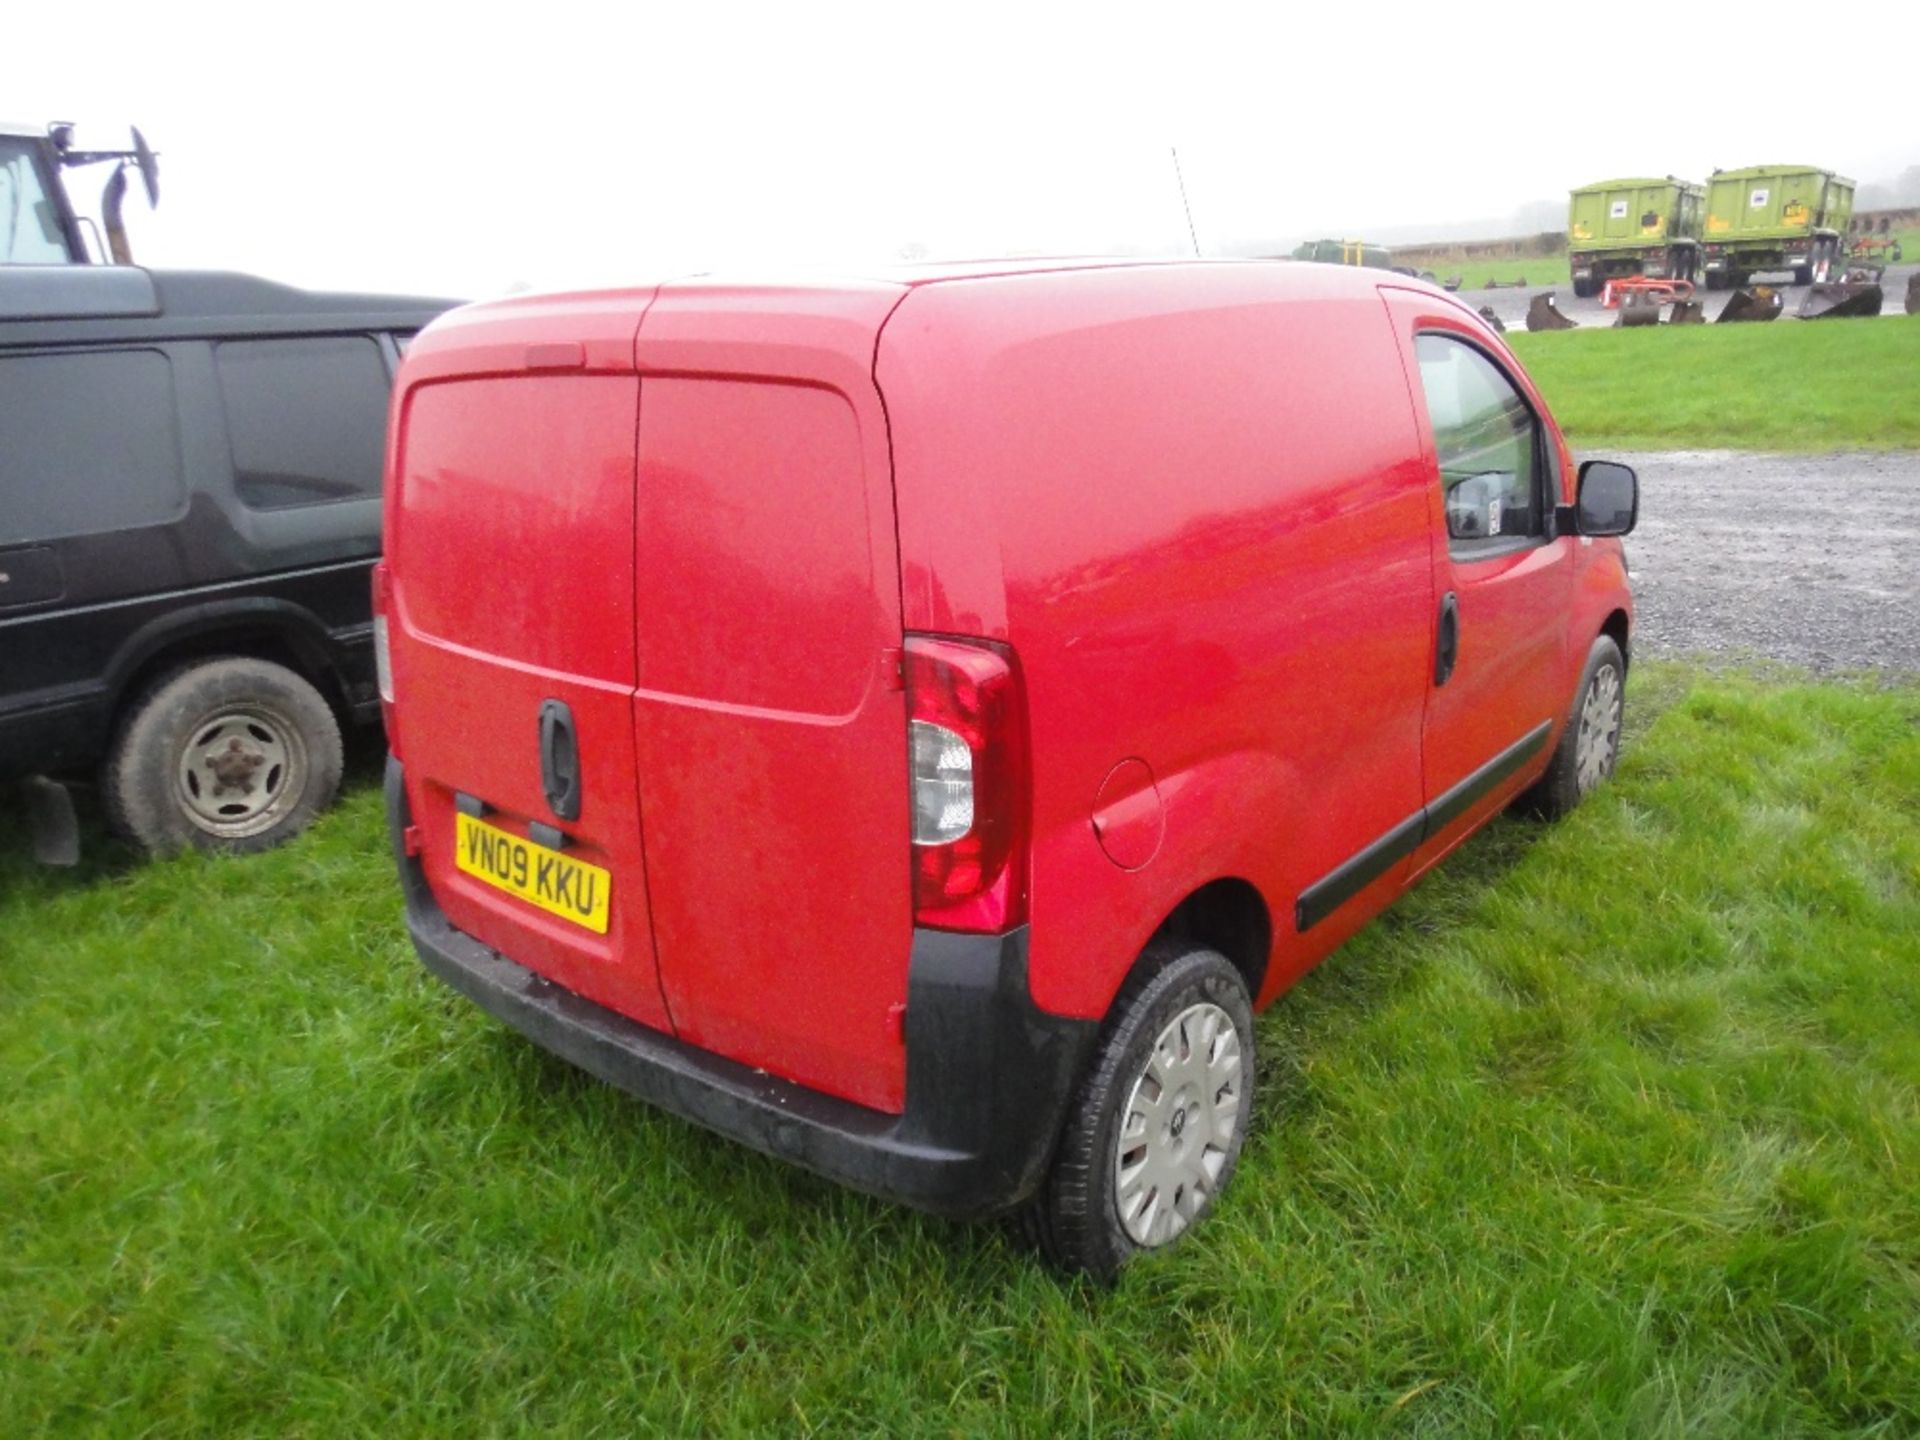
(1632, 229)
(39, 224)
(1771, 218)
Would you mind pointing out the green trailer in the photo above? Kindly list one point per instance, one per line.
(1345, 252)
(1618, 228)
(1775, 217)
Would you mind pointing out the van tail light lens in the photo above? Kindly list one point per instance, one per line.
(382, 659)
(382, 651)
(967, 754)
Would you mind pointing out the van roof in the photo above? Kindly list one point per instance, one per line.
(899, 279)
(911, 274)
(46, 297)
(749, 309)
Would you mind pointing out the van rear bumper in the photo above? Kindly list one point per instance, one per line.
(989, 1075)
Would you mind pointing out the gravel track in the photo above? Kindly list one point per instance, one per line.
(1812, 560)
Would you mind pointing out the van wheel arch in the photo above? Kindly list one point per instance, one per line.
(1616, 628)
(282, 641)
(1228, 915)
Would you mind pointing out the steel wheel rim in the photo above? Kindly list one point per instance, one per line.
(1178, 1128)
(241, 769)
(1599, 736)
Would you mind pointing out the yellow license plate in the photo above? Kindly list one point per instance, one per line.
(551, 879)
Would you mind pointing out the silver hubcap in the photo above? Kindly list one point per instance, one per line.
(1178, 1129)
(1599, 734)
(243, 769)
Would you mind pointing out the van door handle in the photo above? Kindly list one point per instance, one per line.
(559, 759)
(1446, 648)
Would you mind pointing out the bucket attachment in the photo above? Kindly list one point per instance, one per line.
(1838, 301)
(1762, 302)
(1543, 314)
(1913, 293)
(1688, 312)
(1451, 283)
(1638, 309)
(1498, 325)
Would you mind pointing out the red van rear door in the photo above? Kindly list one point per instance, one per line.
(770, 722)
(510, 544)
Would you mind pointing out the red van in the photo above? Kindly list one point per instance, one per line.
(910, 725)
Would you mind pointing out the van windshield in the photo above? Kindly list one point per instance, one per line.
(30, 228)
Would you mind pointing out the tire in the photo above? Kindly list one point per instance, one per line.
(1715, 280)
(229, 754)
(1076, 1220)
(1803, 274)
(1577, 767)
(1583, 289)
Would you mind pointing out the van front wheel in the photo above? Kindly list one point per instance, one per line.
(232, 754)
(1154, 1133)
(1589, 745)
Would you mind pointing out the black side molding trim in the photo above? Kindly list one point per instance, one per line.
(1455, 802)
(1351, 876)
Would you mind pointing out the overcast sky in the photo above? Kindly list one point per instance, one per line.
(465, 150)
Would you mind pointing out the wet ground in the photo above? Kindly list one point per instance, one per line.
(1511, 304)
(1813, 560)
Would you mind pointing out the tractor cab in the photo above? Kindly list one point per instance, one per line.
(39, 223)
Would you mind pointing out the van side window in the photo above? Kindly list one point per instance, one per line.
(1488, 444)
(88, 442)
(306, 418)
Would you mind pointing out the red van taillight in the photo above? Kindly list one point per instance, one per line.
(967, 753)
(382, 653)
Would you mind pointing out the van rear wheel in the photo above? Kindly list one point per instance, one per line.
(1155, 1132)
(1589, 745)
(231, 754)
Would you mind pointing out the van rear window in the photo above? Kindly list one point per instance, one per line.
(88, 443)
(306, 417)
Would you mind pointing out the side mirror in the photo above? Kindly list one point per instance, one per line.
(1473, 507)
(1609, 502)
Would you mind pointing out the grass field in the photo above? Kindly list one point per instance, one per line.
(1842, 384)
(1611, 1129)
(1541, 272)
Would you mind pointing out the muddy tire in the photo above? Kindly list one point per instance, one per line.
(1589, 745)
(229, 754)
(1154, 1132)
